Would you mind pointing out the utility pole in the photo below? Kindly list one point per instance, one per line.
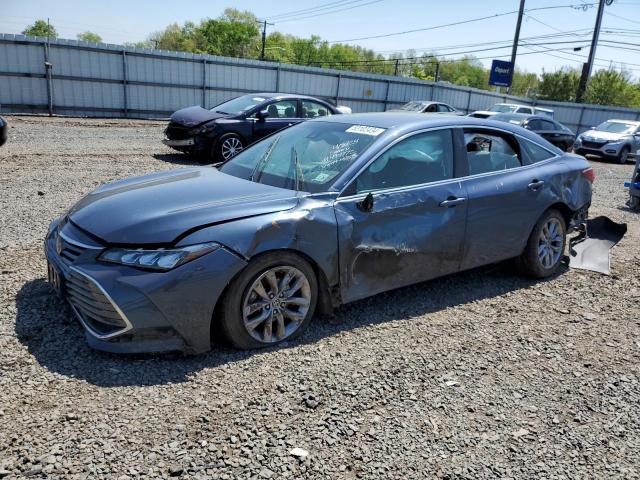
(264, 37)
(437, 76)
(516, 39)
(395, 70)
(587, 67)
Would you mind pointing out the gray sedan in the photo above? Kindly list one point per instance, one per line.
(424, 106)
(614, 139)
(318, 215)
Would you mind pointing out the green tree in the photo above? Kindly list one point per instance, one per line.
(524, 83)
(610, 87)
(560, 85)
(40, 28)
(89, 37)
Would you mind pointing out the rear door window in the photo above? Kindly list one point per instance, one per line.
(547, 125)
(314, 109)
(491, 151)
(534, 124)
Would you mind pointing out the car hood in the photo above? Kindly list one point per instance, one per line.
(158, 208)
(193, 116)
(599, 135)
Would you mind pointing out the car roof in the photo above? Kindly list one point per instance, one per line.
(409, 121)
(269, 95)
(632, 122)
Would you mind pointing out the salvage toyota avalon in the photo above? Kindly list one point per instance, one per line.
(323, 213)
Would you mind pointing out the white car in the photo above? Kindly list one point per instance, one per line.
(503, 108)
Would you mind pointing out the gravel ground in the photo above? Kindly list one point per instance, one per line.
(479, 375)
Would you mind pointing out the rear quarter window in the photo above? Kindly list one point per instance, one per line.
(535, 152)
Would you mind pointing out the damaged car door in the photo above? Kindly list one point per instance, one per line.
(402, 219)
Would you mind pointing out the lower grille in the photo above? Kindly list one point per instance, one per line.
(175, 131)
(92, 305)
(588, 144)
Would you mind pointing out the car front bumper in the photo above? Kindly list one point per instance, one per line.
(187, 142)
(611, 150)
(128, 310)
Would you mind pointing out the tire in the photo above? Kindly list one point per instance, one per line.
(624, 155)
(227, 147)
(540, 260)
(272, 319)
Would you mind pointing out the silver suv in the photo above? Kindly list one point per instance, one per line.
(614, 139)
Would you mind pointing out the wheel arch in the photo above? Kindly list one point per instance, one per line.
(327, 301)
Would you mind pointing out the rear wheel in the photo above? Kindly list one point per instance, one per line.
(623, 157)
(545, 247)
(271, 301)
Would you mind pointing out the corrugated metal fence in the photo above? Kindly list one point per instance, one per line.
(87, 79)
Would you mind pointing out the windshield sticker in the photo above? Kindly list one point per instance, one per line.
(322, 177)
(365, 130)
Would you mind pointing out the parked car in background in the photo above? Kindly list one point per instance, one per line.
(3, 131)
(614, 139)
(552, 131)
(220, 133)
(547, 112)
(503, 108)
(424, 106)
(324, 213)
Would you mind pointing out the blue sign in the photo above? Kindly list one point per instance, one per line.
(501, 73)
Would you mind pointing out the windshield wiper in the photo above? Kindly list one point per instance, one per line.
(220, 111)
(296, 165)
(262, 163)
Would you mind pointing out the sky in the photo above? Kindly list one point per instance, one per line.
(118, 21)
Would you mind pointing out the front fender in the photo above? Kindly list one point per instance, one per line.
(310, 228)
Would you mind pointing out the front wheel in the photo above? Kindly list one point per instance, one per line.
(545, 247)
(227, 147)
(271, 301)
(623, 156)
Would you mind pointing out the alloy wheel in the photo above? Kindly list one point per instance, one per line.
(276, 304)
(231, 147)
(550, 243)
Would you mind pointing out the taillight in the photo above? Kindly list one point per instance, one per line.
(589, 174)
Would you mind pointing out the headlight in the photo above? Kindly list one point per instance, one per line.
(160, 259)
(208, 128)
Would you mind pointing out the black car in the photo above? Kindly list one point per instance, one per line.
(424, 106)
(218, 134)
(552, 131)
(3, 131)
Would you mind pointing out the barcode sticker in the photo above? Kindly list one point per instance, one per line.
(365, 130)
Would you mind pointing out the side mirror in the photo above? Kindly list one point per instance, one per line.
(366, 204)
(262, 114)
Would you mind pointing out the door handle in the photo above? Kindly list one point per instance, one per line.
(535, 185)
(452, 202)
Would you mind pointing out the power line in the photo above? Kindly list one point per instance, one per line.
(453, 24)
(329, 12)
(310, 10)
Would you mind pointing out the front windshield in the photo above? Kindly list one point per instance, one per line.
(307, 157)
(238, 105)
(501, 107)
(413, 106)
(616, 127)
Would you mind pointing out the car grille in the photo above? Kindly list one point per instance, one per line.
(588, 144)
(175, 131)
(92, 305)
